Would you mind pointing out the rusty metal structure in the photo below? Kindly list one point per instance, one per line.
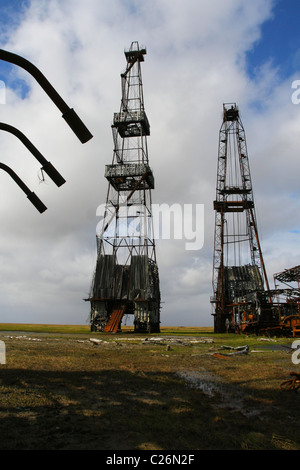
(286, 296)
(242, 298)
(240, 283)
(126, 278)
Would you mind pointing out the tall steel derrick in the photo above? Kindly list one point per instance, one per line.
(126, 279)
(240, 283)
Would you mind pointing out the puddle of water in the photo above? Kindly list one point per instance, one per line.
(203, 381)
(229, 396)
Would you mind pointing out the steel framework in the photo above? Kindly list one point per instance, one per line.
(287, 293)
(126, 279)
(240, 282)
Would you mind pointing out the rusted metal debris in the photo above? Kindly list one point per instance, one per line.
(292, 384)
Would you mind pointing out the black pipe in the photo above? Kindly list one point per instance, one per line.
(47, 166)
(30, 195)
(70, 116)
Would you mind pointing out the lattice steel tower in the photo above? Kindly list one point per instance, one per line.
(239, 275)
(126, 279)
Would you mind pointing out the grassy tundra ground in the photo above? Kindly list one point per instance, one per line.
(177, 390)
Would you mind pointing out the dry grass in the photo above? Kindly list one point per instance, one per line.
(58, 390)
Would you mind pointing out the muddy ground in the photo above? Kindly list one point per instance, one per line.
(119, 392)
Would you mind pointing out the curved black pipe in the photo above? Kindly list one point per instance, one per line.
(39, 205)
(70, 116)
(47, 166)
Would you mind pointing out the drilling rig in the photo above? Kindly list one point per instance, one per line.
(240, 283)
(126, 278)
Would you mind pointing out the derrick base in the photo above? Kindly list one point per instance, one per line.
(246, 307)
(120, 290)
(107, 315)
(251, 314)
(242, 304)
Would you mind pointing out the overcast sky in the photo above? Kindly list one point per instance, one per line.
(200, 54)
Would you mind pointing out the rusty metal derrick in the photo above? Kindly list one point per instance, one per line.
(239, 275)
(242, 297)
(126, 279)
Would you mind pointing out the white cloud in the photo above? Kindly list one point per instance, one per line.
(195, 62)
